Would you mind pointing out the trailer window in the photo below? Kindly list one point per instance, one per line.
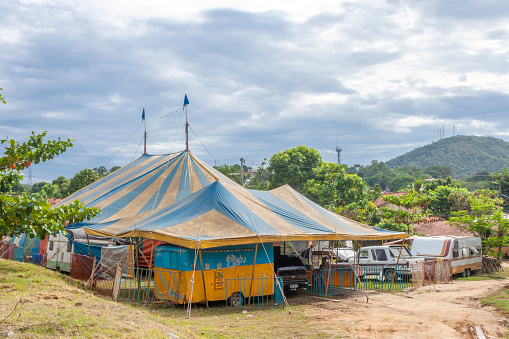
(69, 247)
(51, 245)
(364, 255)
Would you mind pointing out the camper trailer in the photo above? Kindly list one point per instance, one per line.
(226, 275)
(464, 254)
(58, 252)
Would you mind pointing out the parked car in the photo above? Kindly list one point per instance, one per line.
(382, 261)
(291, 270)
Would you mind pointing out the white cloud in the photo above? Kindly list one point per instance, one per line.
(261, 76)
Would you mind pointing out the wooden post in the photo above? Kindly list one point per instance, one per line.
(203, 278)
(92, 275)
(138, 271)
(252, 273)
(89, 250)
(397, 263)
(151, 265)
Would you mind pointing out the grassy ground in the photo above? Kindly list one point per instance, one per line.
(39, 303)
(477, 276)
(499, 300)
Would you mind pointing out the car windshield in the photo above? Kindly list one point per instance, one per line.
(404, 253)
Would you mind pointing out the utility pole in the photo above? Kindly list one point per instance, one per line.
(242, 171)
(30, 176)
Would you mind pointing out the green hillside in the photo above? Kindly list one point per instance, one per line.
(467, 155)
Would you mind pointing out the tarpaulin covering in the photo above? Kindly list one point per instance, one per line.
(110, 258)
(82, 249)
(180, 200)
(147, 257)
(148, 183)
(81, 266)
(44, 245)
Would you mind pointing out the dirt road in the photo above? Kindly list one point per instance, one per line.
(423, 313)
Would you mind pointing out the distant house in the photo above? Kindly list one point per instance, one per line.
(380, 202)
(434, 226)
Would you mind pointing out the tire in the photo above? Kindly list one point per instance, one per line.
(236, 299)
(57, 269)
(464, 273)
(468, 272)
(389, 275)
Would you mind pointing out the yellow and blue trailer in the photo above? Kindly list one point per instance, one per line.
(233, 273)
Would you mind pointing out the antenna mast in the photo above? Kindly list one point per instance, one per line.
(338, 150)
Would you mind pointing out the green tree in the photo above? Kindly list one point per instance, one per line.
(2, 99)
(293, 166)
(232, 172)
(32, 214)
(82, 179)
(439, 172)
(434, 184)
(500, 182)
(63, 186)
(376, 174)
(446, 199)
(37, 187)
(114, 168)
(332, 186)
(101, 170)
(484, 217)
(50, 191)
(402, 182)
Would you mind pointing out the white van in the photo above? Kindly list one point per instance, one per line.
(464, 254)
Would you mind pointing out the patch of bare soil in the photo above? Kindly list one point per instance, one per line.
(449, 312)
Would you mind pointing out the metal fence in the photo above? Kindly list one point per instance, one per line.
(262, 292)
(147, 285)
(340, 279)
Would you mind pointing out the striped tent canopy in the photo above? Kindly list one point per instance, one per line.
(149, 183)
(181, 200)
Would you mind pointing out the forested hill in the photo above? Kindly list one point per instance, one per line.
(467, 155)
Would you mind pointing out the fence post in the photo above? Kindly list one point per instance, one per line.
(203, 278)
(116, 283)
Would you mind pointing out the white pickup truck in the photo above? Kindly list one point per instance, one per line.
(381, 261)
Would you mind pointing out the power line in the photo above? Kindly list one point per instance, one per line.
(202, 143)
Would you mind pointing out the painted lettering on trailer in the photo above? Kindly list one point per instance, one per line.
(233, 261)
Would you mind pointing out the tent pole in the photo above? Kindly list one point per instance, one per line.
(187, 133)
(89, 250)
(145, 135)
(331, 251)
(203, 278)
(252, 273)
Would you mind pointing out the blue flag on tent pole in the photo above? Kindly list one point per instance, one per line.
(143, 115)
(186, 101)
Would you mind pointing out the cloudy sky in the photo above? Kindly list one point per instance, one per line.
(261, 76)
